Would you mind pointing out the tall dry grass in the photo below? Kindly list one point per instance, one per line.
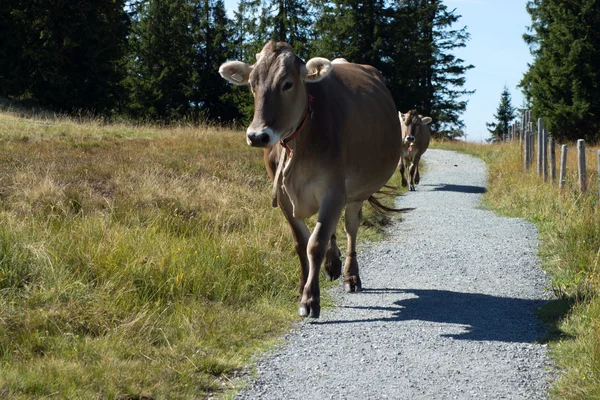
(136, 260)
(569, 229)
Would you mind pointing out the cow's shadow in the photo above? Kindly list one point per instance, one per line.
(458, 188)
(480, 316)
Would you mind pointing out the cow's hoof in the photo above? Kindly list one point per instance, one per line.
(352, 285)
(333, 268)
(303, 311)
(312, 311)
(404, 184)
(315, 311)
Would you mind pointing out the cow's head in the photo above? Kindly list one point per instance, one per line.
(277, 81)
(412, 125)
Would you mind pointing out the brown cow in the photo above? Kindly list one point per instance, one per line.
(415, 141)
(330, 138)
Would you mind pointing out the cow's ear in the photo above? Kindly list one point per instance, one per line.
(426, 120)
(316, 69)
(236, 72)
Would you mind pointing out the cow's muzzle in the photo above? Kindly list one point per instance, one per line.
(410, 139)
(258, 139)
(261, 136)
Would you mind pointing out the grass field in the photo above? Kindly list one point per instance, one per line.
(569, 227)
(137, 262)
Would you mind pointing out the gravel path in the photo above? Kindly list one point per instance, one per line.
(448, 310)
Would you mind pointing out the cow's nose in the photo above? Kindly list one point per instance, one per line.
(258, 139)
(410, 139)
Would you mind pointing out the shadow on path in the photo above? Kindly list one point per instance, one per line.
(458, 188)
(482, 316)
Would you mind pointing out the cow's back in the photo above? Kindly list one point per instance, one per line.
(359, 115)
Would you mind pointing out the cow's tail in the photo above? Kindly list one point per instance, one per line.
(387, 190)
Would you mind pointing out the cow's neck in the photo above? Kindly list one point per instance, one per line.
(284, 142)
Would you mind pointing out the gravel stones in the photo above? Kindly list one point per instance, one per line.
(447, 311)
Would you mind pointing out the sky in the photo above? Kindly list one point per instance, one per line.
(497, 51)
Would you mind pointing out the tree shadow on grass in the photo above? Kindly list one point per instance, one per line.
(480, 316)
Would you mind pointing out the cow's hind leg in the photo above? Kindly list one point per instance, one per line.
(352, 220)
(402, 169)
(333, 263)
(329, 215)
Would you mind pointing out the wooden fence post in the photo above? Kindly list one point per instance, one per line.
(531, 143)
(598, 152)
(552, 160)
(581, 165)
(540, 146)
(526, 150)
(563, 166)
(544, 155)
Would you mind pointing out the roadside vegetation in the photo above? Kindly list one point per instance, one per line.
(137, 260)
(569, 229)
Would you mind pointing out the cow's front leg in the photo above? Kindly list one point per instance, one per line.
(416, 164)
(300, 233)
(402, 169)
(411, 177)
(329, 215)
(352, 220)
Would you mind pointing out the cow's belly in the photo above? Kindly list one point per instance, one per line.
(364, 180)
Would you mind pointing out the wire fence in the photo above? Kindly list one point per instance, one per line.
(545, 149)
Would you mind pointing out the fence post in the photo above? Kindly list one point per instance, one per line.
(563, 166)
(598, 152)
(526, 150)
(522, 132)
(545, 155)
(581, 165)
(531, 143)
(540, 146)
(552, 160)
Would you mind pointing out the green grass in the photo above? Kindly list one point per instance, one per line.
(137, 260)
(569, 230)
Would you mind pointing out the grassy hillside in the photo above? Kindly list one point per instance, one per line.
(569, 227)
(137, 261)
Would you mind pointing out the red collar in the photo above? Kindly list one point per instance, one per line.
(284, 142)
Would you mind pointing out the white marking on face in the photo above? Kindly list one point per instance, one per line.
(274, 137)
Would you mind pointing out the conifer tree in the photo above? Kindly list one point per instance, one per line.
(505, 114)
(211, 93)
(411, 43)
(562, 83)
(67, 56)
(161, 62)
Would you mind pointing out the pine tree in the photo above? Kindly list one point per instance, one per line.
(562, 83)
(351, 29)
(442, 81)
(161, 62)
(421, 71)
(212, 95)
(67, 55)
(289, 22)
(505, 114)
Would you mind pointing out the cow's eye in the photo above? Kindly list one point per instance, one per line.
(286, 86)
